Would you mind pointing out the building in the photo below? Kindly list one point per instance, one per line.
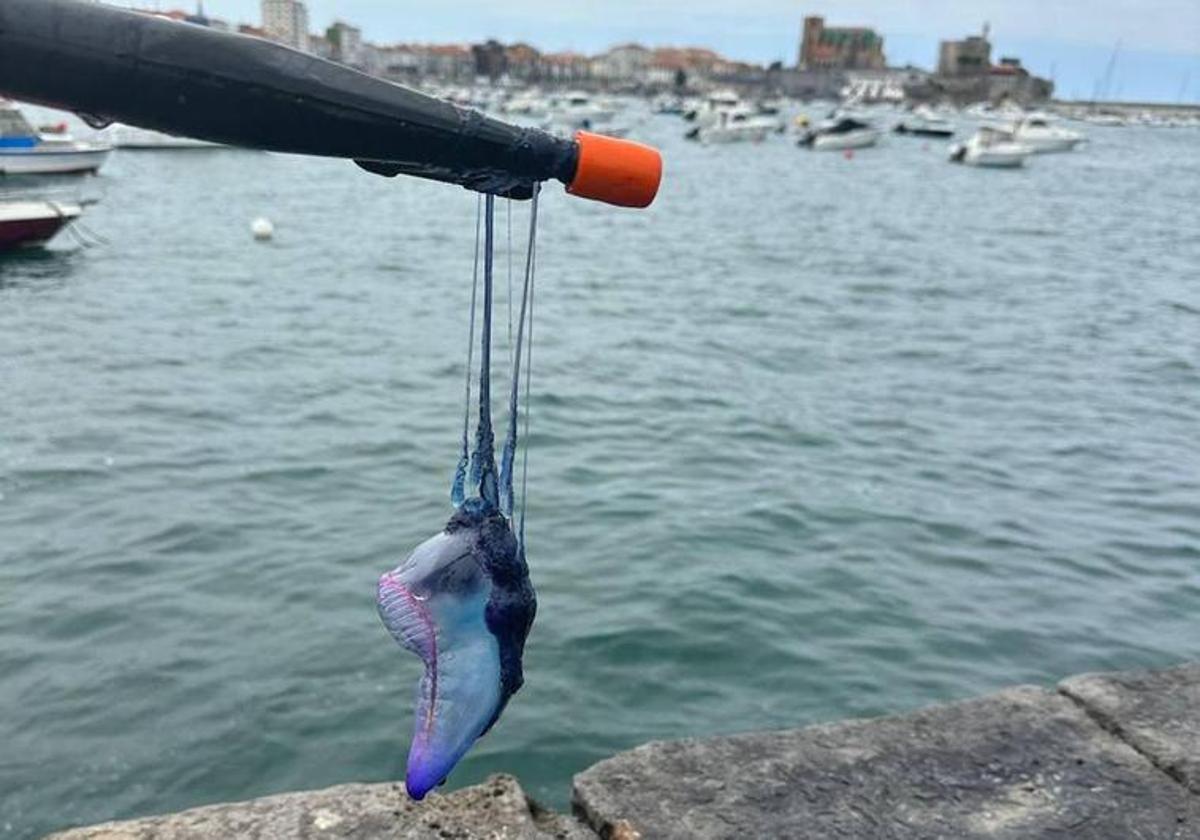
(965, 73)
(398, 62)
(1009, 80)
(345, 43)
(319, 46)
(890, 85)
(522, 63)
(566, 67)
(624, 63)
(839, 47)
(971, 56)
(286, 21)
(681, 67)
(491, 60)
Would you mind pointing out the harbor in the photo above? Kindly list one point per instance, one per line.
(854, 420)
(840, 95)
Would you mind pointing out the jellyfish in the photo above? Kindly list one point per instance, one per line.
(462, 600)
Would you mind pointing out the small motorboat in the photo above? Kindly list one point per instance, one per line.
(576, 106)
(527, 104)
(842, 132)
(31, 223)
(992, 147)
(1041, 135)
(26, 151)
(708, 112)
(668, 105)
(923, 122)
(1106, 120)
(567, 128)
(736, 125)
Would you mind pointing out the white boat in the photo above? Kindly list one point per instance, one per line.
(707, 112)
(526, 104)
(575, 107)
(29, 223)
(25, 151)
(992, 147)
(735, 126)
(1107, 120)
(568, 130)
(665, 104)
(1040, 134)
(923, 122)
(839, 133)
(132, 137)
(1006, 110)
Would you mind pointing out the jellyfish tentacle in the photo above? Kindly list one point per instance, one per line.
(457, 488)
(510, 442)
(483, 459)
(508, 254)
(528, 381)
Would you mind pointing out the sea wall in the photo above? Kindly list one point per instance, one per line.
(1098, 757)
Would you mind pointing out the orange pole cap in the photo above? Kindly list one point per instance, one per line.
(615, 171)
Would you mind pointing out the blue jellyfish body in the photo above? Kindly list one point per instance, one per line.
(462, 601)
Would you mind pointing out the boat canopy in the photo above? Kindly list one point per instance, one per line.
(15, 130)
(110, 64)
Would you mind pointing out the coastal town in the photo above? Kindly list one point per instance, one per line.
(841, 94)
(831, 61)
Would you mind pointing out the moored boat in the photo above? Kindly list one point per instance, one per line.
(708, 112)
(1041, 135)
(577, 106)
(991, 147)
(923, 122)
(30, 223)
(739, 124)
(839, 133)
(25, 151)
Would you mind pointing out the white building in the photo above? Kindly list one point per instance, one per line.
(627, 62)
(286, 21)
(345, 43)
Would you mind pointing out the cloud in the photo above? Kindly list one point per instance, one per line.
(1160, 25)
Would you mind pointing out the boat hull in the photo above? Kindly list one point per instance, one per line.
(1049, 145)
(1000, 156)
(995, 160)
(56, 162)
(849, 140)
(939, 133)
(29, 224)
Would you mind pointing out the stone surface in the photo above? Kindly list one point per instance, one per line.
(1019, 765)
(1106, 757)
(498, 809)
(1157, 712)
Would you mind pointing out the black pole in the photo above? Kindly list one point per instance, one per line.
(116, 65)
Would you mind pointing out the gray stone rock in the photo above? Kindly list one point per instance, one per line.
(1157, 712)
(1019, 765)
(498, 809)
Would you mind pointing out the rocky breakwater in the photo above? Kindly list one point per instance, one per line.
(1099, 757)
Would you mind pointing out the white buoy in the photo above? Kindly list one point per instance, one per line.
(262, 228)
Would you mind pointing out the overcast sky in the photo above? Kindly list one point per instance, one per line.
(1159, 39)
